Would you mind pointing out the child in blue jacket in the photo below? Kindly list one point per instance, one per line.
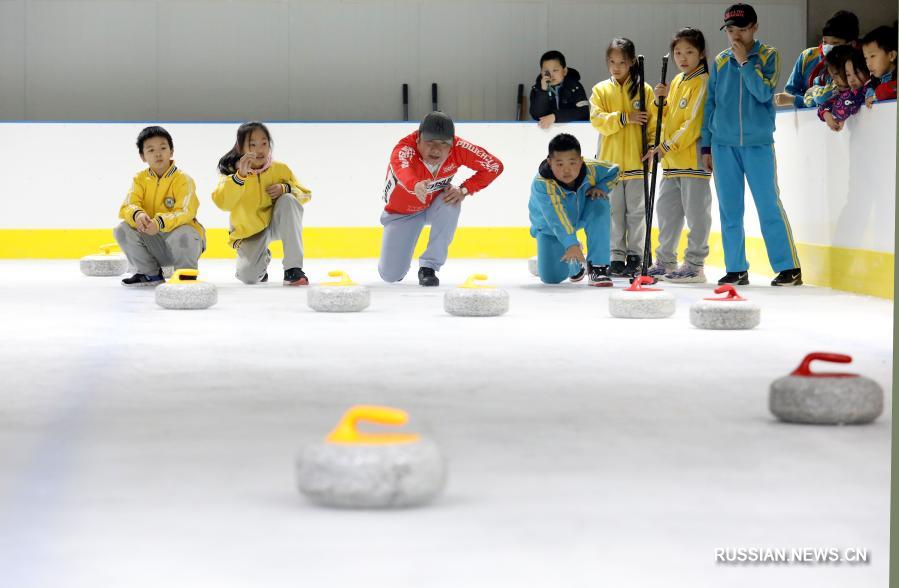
(571, 193)
(738, 142)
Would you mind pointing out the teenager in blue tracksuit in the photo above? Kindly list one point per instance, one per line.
(738, 141)
(571, 193)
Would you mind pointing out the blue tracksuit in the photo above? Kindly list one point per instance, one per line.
(558, 211)
(800, 80)
(738, 129)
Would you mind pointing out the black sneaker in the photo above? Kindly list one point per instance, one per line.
(578, 276)
(264, 278)
(737, 278)
(790, 277)
(632, 267)
(599, 275)
(141, 280)
(617, 269)
(294, 277)
(427, 277)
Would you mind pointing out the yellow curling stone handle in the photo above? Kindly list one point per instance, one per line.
(347, 432)
(184, 276)
(470, 282)
(108, 248)
(344, 280)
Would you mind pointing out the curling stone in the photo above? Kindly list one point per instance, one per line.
(532, 266)
(184, 291)
(341, 296)
(733, 312)
(105, 263)
(825, 398)
(472, 299)
(637, 301)
(355, 469)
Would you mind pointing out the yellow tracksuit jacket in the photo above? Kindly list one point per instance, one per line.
(249, 204)
(682, 125)
(621, 143)
(170, 200)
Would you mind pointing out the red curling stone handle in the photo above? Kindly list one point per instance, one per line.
(804, 369)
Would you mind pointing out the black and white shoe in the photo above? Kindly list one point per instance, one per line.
(632, 267)
(294, 277)
(736, 278)
(578, 276)
(427, 277)
(616, 270)
(599, 275)
(143, 280)
(790, 277)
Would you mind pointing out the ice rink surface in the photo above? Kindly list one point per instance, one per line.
(141, 447)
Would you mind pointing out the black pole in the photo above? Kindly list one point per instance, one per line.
(641, 92)
(519, 103)
(405, 101)
(660, 106)
(434, 96)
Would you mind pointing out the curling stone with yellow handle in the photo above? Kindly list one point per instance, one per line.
(184, 291)
(106, 263)
(471, 299)
(356, 469)
(343, 295)
(825, 398)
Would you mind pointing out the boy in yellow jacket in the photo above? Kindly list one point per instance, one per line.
(685, 189)
(614, 112)
(159, 213)
(266, 204)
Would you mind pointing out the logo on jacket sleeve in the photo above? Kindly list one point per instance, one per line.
(405, 156)
(683, 103)
(169, 202)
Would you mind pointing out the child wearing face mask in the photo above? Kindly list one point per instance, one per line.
(810, 72)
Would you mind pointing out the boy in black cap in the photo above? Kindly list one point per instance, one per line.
(738, 146)
(810, 70)
(419, 191)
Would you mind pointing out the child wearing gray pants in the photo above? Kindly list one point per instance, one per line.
(680, 198)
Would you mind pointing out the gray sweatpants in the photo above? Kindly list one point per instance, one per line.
(147, 254)
(253, 254)
(679, 198)
(628, 215)
(401, 233)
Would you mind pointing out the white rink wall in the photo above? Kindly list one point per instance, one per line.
(838, 188)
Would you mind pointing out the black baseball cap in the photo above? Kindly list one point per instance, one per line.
(740, 15)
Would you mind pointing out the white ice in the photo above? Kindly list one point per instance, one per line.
(141, 447)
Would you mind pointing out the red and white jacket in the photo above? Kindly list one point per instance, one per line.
(407, 169)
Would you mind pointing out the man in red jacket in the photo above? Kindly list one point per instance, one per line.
(419, 191)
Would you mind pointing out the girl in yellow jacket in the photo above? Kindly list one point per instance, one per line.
(685, 190)
(614, 112)
(266, 204)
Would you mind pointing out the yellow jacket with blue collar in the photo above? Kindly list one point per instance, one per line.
(556, 209)
(248, 202)
(170, 200)
(682, 125)
(622, 144)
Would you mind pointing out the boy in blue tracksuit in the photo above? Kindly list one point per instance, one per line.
(738, 141)
(571, 193)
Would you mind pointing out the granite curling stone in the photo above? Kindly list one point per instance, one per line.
(355, 469)
(733, 312)
(344, 295)
(639, 302)
(532, 266)
(184, 291)
(825, 398)
(106, 263)
(472, 299)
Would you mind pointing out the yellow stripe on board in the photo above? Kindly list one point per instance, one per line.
(853, 270)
